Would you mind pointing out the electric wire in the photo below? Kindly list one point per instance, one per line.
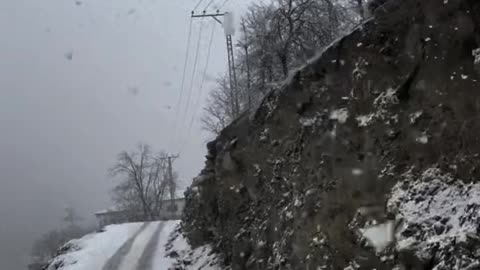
(202, 83)
(182, 87)
(197, 51)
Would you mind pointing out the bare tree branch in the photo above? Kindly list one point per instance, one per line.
(142, 181)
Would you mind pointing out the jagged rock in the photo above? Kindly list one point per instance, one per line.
(343, 132)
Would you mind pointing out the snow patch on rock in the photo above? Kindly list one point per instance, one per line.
(476, 56)
(379, 236)
(441, 218)
(414, 116)
(386, 98)
(423, 139)
(188, 258)
(341, 115)
(308, 122)
(365, 120)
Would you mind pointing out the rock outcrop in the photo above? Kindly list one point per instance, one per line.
(386, 119)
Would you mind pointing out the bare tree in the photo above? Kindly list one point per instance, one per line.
(276, 38)
(219, 111)
(144, 181)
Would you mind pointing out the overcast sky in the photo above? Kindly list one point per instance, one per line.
(63, 121)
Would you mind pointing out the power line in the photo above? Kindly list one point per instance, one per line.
(231, 57)
(193, 73)
(208, 5)
(182, 88)
(197, 102)
(198, 4)
(224, 3)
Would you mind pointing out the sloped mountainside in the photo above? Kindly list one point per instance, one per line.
(381, 129)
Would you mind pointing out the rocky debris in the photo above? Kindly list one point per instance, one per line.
(282, 186)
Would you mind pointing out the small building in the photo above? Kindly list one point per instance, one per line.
(171, 210)
(113, 215)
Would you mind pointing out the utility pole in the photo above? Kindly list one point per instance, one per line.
(229, 31)
(170, 181)
(233, 77)
(245, 45)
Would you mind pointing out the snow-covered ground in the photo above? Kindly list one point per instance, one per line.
(201, 258)
(135, 246)
(95, 249)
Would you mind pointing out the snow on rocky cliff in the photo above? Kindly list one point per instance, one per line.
(441, 219)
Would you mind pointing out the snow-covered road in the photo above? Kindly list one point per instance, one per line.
(138, 252)
(135, 246)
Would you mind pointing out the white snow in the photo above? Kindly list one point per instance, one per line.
(308, 122)
(379, 236)
(414, 116)
(435, 200)
(333, 132)
(201, 258)
(130, 261)
(382, 102)
(297, 203)
(93, 250)
(264, 135)
(476, 55)
(341, 115)
(423, 139)
(386, 98)
(365, 120)
(352, 266)
(161, 258)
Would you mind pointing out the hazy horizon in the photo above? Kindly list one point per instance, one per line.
(78, 84)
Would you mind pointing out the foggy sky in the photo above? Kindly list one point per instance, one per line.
(63, 121)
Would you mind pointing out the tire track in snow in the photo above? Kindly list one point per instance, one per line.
(146, 260)
(132, 258)
(114, 262)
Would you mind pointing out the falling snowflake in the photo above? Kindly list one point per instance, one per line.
(69, 55)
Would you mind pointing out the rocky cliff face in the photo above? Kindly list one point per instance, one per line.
(381, 128)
